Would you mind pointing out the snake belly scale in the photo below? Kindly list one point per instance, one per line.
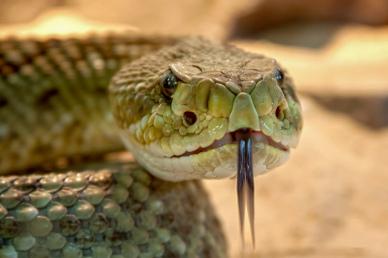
(180, 105)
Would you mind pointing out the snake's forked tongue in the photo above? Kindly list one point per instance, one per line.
(245, 183)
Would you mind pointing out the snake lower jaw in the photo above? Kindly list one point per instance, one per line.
(219, 160)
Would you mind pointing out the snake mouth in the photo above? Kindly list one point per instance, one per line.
(233, 138)
(244, 139)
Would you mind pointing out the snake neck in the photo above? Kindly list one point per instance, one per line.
(53, 99)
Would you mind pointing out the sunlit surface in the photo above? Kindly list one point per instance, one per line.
(60, 22)
(329, 200)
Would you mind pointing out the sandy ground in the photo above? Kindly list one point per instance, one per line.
(331, 199)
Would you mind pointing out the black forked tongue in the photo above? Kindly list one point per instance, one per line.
(245, 183)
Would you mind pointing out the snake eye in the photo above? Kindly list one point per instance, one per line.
(279, 75)
(169, 84)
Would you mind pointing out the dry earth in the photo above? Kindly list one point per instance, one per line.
(331, 199)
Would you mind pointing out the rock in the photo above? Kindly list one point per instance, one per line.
(267, 14)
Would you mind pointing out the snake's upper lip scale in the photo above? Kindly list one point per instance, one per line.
(230, 138)
(259, 136)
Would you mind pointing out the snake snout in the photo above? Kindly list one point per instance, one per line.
(243, 114)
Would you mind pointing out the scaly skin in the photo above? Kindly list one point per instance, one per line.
(111, 210)
(226, 88)
(53, 99)
(179, 105)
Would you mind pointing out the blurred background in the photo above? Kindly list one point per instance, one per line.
(331, 199)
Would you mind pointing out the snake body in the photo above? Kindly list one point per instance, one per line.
(179, 104)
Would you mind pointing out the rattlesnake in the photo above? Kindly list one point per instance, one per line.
(186, 108)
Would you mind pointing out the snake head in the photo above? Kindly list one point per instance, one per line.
(181, 110)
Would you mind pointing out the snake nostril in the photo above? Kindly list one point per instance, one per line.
(189, 118)
(279, 113)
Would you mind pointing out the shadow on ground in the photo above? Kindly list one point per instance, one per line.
(306, 35)
(369, 111)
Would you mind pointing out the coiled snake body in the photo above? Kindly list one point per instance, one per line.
(186, 108)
